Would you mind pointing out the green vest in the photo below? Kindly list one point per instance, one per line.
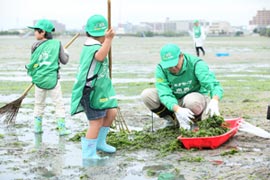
(197, 31)
(194, 76)
(44, 65)
(103, 95)
(185, 81)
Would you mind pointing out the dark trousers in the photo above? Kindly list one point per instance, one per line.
(198, 52)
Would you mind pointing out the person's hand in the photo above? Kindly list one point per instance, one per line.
(213, 108)
(109, 34)
(184, 116)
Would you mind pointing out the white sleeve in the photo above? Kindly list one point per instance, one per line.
(203, 35)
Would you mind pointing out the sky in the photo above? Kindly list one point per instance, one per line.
(74, 13)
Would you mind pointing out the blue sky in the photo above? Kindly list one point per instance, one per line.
(74, 13)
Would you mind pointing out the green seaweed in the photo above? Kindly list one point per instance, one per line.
(163, 140)
(192, 159)
(151, 173)
(230, 152)
(211, 126)
(77, 137)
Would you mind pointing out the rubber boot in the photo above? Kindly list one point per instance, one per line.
(38, 125)
(89, 149)
(62, 127)
(169, 116)
(171, 121)
(101, 143)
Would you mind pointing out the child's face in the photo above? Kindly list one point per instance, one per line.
(39, 35)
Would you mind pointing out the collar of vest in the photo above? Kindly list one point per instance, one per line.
(90, 41)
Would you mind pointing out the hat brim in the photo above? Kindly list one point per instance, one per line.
(97, 34)
(32, 27)
(170, 63)
(35, 27)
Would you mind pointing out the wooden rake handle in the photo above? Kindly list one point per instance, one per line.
(72, 40)
(27, 90)
(109, 27)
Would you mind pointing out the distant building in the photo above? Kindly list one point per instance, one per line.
(59, 27)
(177, 26)
(220, 28)
(155, 27)
(240, 30)
(124, 28)
(168, 26)
(262, 18)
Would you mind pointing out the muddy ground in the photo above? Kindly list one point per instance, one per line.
(244, 75)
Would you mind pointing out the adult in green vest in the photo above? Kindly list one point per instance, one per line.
(93, 92)
(198, 37)
(183, 85)
(44, 67)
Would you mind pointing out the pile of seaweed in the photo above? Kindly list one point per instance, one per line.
(211, 126)
(163, 140)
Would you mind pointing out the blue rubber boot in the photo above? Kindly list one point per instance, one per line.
(101, 143)
(62, 127)
(89, 149)
(38, 125)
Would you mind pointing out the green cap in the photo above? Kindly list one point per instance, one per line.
(196, 21)
(169, 55)
(43, 24)
(96, 26)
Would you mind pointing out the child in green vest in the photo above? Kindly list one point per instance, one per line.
(44, 67)
(93, 92)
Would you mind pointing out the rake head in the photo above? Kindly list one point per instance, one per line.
(120, 122)
(10, 111)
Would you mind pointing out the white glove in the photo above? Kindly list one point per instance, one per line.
(212, 108)
(184, 116)
(66, 51)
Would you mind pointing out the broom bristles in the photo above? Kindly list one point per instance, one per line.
(10, 110)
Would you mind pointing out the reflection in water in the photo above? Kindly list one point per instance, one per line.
(49, 160)
(61, 144)
(95, 162)
(38, 140)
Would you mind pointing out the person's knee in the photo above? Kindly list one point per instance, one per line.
(111, 113)
(196, 102)
(145, 94)
(96, 123)
(150, 98)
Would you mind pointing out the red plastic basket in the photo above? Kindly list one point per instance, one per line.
(213, 141)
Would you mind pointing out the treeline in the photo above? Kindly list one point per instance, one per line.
(262, 31)
(9, 33)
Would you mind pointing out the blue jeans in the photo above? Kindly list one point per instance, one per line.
(91, 114)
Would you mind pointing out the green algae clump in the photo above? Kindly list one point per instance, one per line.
(211, 126)
(163, 140)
